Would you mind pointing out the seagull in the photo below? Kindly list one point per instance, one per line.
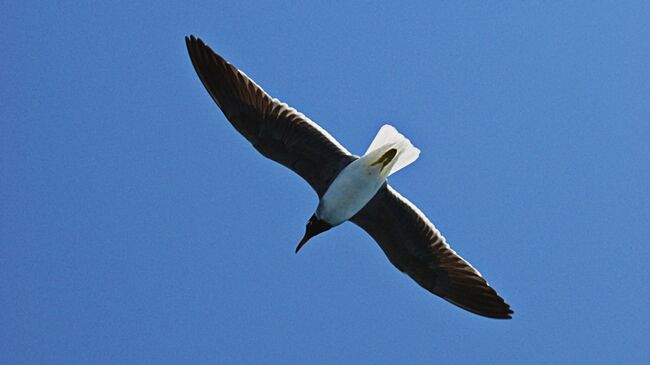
(349, 187)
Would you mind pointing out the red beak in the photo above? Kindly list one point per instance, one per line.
(303, 241)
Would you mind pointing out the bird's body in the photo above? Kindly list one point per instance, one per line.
(349, 187)
(359, 181)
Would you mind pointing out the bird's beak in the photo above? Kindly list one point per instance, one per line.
(304, 240)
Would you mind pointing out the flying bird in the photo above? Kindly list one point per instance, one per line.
(349, 187)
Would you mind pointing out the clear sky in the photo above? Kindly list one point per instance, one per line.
(137, 226)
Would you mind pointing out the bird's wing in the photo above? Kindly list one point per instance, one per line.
(415, 246)
(276, 130)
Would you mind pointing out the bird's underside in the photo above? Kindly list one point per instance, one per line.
(407, 237)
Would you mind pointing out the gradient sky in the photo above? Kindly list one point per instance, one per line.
(137, 226)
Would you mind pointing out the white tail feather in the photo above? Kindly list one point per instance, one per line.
(406, 152)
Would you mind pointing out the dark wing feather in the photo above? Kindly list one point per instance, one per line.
(416, 247)
(275, 129)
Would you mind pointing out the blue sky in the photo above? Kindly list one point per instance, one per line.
(136, 225)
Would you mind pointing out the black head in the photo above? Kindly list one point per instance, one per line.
(314, 227)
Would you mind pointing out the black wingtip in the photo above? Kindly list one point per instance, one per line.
(493, 307)
(192, 39)
(507, 315)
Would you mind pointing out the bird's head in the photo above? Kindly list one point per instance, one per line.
(314, 227)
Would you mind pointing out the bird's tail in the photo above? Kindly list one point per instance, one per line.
(388, 136)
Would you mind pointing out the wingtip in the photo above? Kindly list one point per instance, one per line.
(508, 314)
(499, 310)
(192, 39)
(496, 315)
(502, 315)
(196, 47)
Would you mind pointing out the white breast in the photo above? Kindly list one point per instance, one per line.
(355, 185)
